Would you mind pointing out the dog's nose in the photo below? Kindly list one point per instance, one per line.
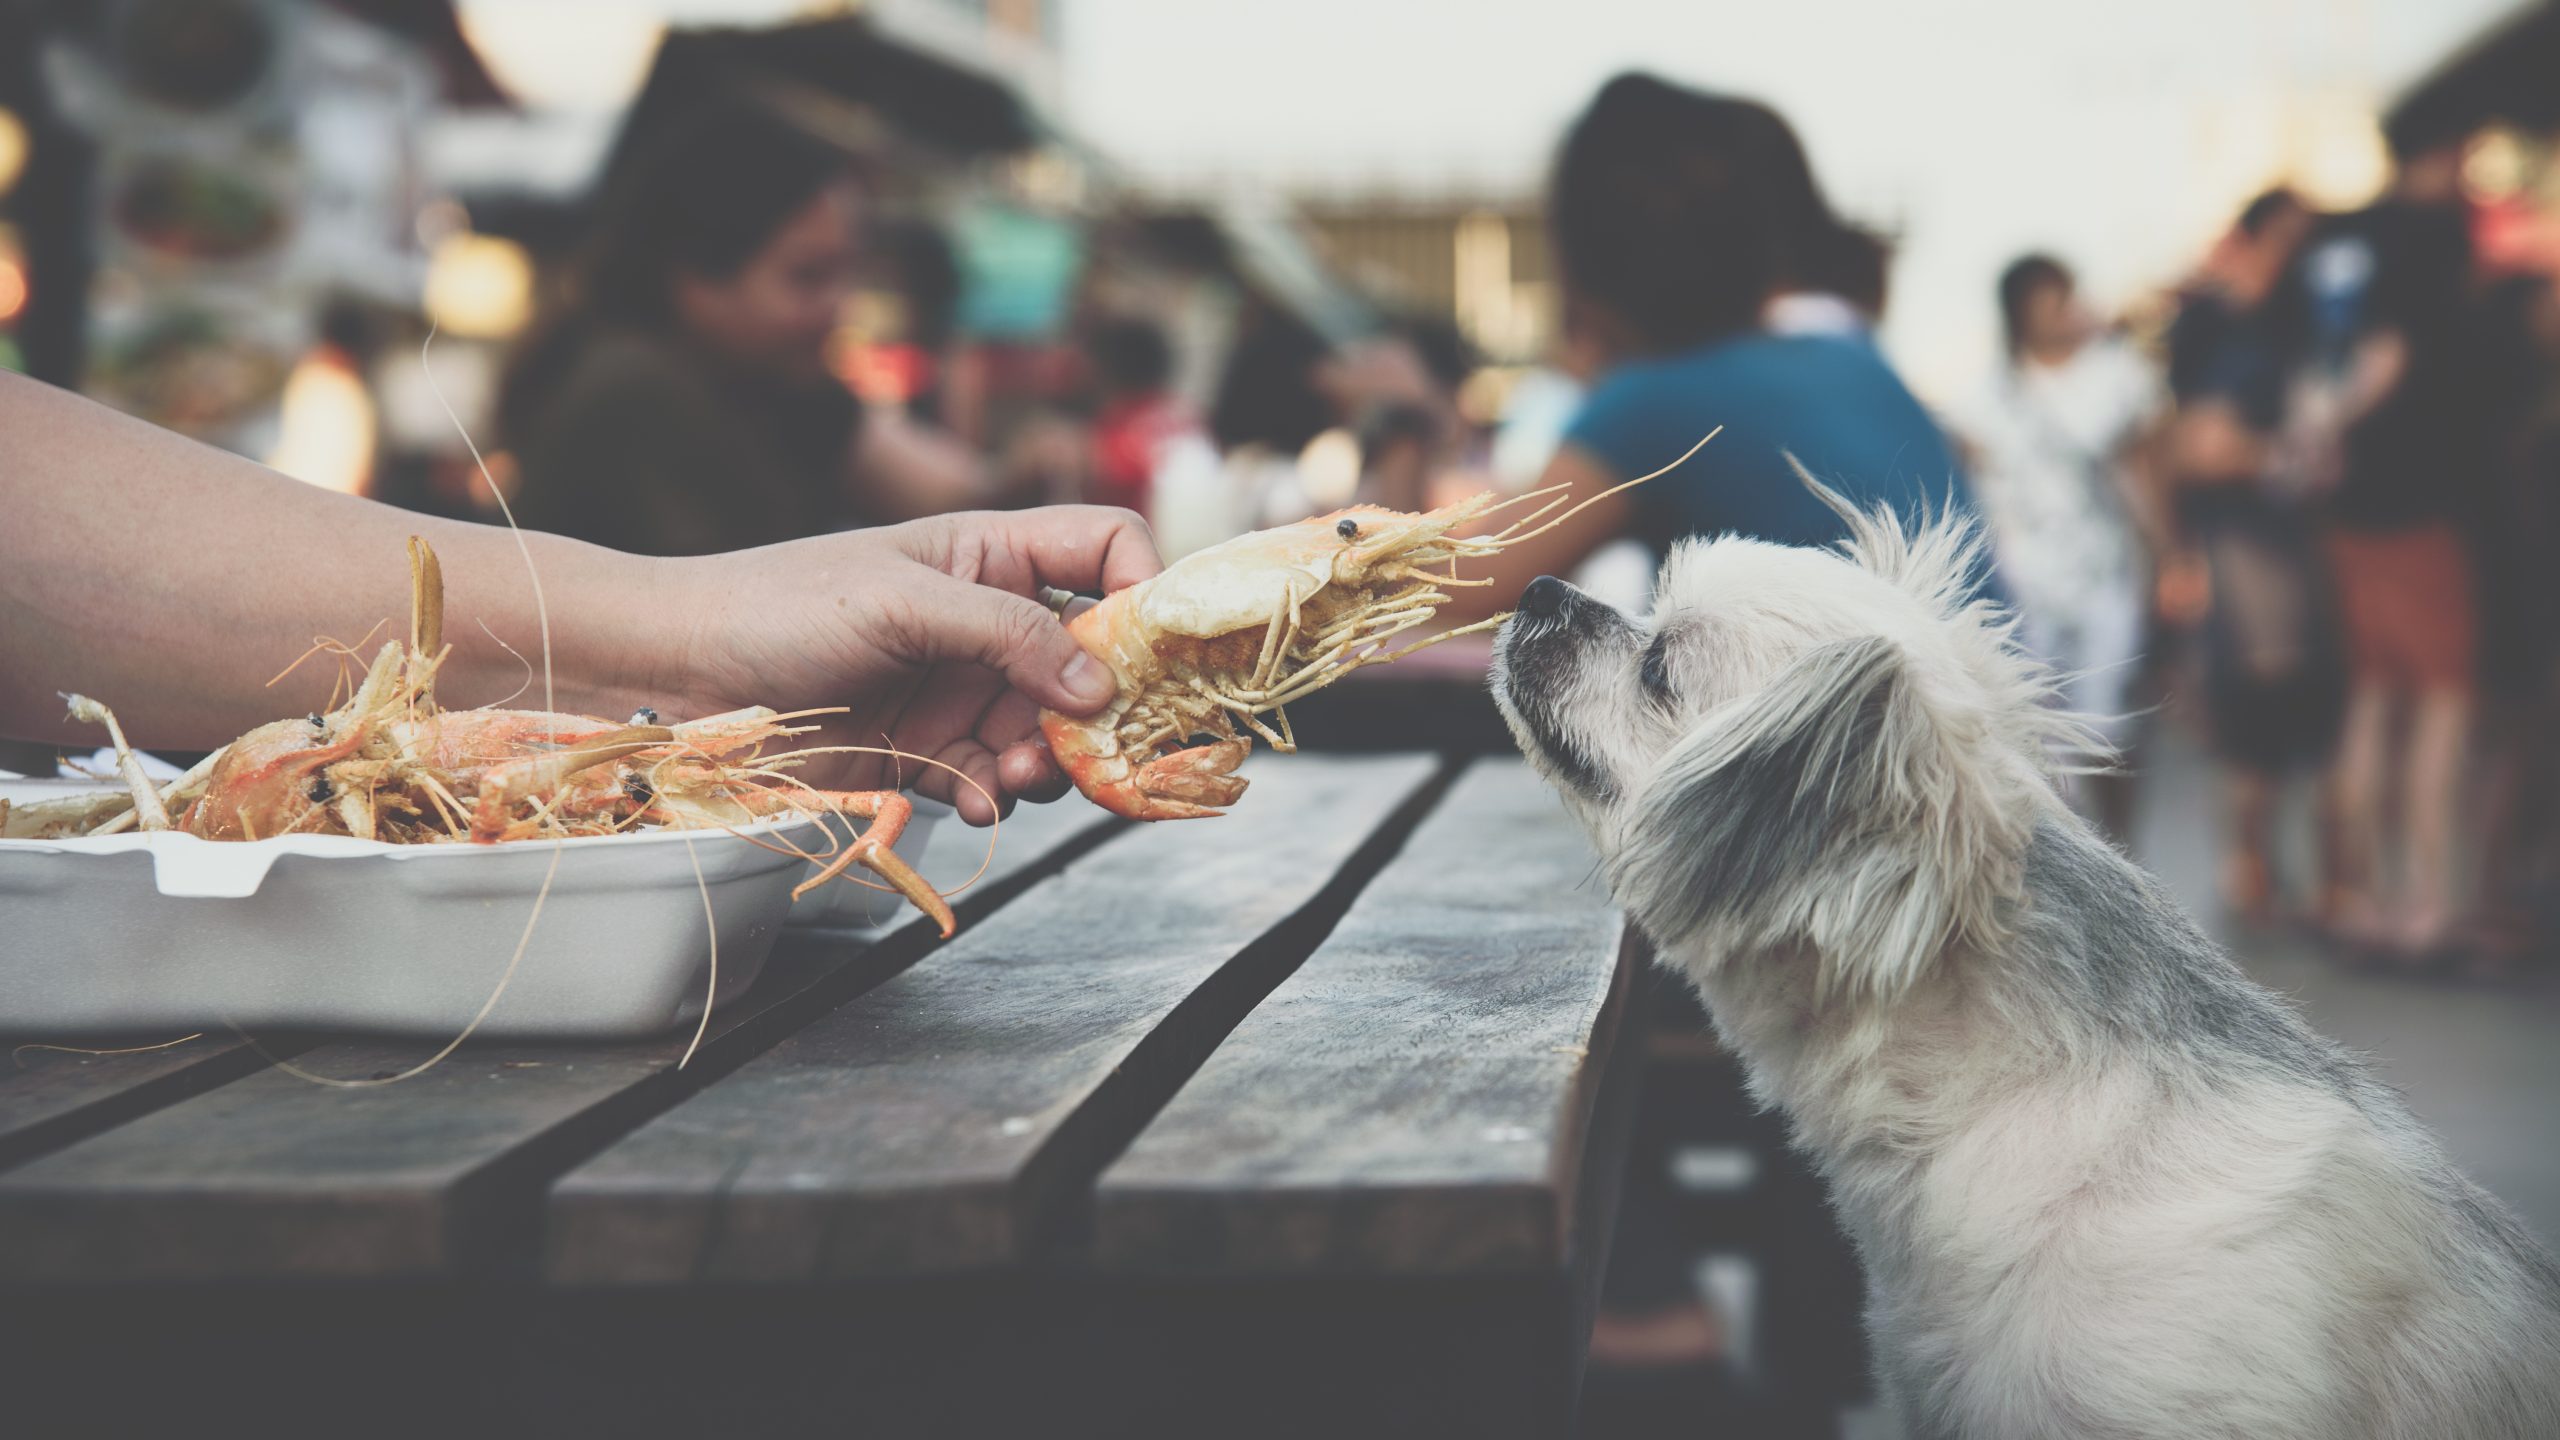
(1545, 598)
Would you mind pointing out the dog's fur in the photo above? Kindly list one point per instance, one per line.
(2102, 1184)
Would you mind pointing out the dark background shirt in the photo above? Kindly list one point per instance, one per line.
(2222, 350)
(1829, 400)
(2404, 268)
(647, 446)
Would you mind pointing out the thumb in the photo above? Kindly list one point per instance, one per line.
(1018, 637)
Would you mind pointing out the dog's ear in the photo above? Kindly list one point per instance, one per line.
(1840, 808)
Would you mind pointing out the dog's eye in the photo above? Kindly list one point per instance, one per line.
(1655, 672)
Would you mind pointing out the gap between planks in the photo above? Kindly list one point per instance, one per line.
(1101, 1130)
(769, 1178)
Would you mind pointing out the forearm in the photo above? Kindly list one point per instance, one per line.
(171, 580)
(2375, 373)
(2140, 475)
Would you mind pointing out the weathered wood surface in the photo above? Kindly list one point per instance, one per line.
(1301, 1121)
(51, 1096)
(273, 1177)
(952, 1118)
(1417, 1097)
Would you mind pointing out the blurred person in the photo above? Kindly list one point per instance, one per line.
(1267, 395)
(683, 402)
(1679, 217)
(1402, 388)
(927, 275)
(927, 631)
(1401, 448)
(2378, 422)
(2059, 435)
(1267, 405)
(2515, 532)
(1838, 283)
(2273, 682)
(1140, 414)
(1284, 385)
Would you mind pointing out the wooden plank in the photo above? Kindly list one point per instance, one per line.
(51, 1096)
(952, 1118)
(1417, 1098)
(271, 1176)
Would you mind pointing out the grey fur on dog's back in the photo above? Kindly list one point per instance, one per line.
(2479, 1299)
(2103, 1185)
(2110, 927)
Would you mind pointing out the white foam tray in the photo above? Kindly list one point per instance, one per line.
(125, 934)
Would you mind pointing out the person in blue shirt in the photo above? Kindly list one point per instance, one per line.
(1708, 283)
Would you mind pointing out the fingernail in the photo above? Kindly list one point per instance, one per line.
(1085, 679)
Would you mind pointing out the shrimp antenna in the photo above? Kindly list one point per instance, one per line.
(1515, 534)
(1506, 502)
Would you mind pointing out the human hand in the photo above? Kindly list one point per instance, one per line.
(929, 632)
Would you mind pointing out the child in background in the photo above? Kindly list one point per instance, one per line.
(2059, 431)
(1133, 365)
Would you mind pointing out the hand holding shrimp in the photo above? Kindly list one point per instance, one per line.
(927, 629)
(1233, 633)
(389, 764)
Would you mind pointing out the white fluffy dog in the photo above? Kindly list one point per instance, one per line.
(2102, 1184)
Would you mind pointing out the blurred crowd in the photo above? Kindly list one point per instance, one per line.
(2307, 508)
(2297, 503)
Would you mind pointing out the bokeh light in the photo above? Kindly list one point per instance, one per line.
(479, 287)
(14, 146)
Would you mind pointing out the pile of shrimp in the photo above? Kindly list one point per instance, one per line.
(388, 764)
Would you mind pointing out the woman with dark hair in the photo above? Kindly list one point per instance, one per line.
(1681, 220)
(682, 403)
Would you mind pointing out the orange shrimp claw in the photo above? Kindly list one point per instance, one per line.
(1191, 784)
(888, 812)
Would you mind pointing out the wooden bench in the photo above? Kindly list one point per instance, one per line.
(1302, 1121)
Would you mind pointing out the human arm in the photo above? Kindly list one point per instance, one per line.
(2209, 442)
(170, 580)
(2140, 468)
(2140, 476)
(2380, 363)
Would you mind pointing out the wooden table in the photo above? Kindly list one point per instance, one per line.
(1302, 1121)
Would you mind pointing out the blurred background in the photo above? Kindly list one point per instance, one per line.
(2234, 322)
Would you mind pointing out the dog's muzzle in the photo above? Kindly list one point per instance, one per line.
(1536, 657)
(1536, 643)
(1547, 598)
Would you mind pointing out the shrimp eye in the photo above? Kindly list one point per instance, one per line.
(1347, 529)
(315, 721)
(644, 716)
(320, 790)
